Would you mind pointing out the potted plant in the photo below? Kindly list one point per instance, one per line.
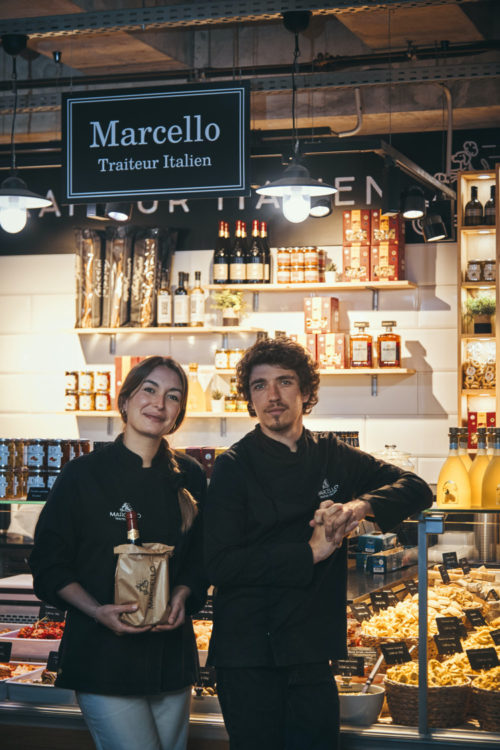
(480, 311)
(217, 401)
(232, 305)
(330, 272)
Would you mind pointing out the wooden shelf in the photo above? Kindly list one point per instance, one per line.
(487, 336)
(368, 371)
(479, 392)
(168, 330)
(194, 415)
(338, 287)
(478, 285)
(480, 229)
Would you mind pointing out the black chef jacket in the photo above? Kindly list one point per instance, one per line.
(273, 605)
(81, 523)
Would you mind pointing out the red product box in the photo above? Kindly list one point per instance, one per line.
(321, 314)
(356, 260)
(387, 228)
(356, 226)
(477, 419)
(308, 341)
(387, 262)
(205, 456)
(332, 350)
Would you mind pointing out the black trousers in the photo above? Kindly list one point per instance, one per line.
(280, 708)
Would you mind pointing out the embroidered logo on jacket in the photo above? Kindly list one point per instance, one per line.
(119, 515)
(327, 491)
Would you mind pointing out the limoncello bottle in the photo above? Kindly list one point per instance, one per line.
(453, 487)
(491, 478)
(478, 468)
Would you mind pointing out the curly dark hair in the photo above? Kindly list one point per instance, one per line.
(284, 353)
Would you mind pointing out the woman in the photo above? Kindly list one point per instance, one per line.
(133, 684)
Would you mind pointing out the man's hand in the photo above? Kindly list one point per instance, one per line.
(177, 613)
(340, 519)
(109, 616)
(321, 547)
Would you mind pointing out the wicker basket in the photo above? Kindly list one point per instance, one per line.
(446, 706)
(486, 708)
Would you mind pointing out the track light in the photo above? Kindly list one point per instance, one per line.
(433, 228)
(414, 204)
(96, 211)
(320, 207)
(391, 189)
(118, 211)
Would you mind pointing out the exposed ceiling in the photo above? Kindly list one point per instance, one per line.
(394, 51)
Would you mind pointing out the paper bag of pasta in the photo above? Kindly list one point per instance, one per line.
(141, 577)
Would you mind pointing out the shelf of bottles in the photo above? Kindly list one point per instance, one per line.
(478, 302)
(318, 287)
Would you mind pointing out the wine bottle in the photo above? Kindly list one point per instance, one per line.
(181, 303)
(197, 302)
(164, 302)
(489, 208)
(267, 252)
(220, 261)
(237, 265)
(473, 215)
(255, 257)
(133, 535)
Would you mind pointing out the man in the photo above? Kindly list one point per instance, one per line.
(281, 502)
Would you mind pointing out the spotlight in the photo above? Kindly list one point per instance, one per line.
(391, 189)
(414, 204)
(433, 228)
(96, 211)
(118, 211)
(320, 207)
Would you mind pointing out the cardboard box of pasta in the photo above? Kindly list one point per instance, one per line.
(308, 341)
(356, 226)
(356, 262)
(387, 228)
(321, 314)
(332, 350)
(387, 262)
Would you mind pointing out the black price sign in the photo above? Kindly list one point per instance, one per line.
(448, 644)
(495, 634)
(482, 658)
(206, 677)
(51, 613)
(395, 652)
(448, 626)
(475, 617)
(37, 494)
(349, 667)
(360, 611)
(53, 661)
(391, 598)
(444, 574)
(5, 651)
(379, 600)
(492, 594)
(450, 560)
(464, 564)
(411, 587)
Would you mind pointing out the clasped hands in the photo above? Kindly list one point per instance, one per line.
(332, 522)
(109, 615)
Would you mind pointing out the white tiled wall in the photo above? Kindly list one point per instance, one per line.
(37, 345)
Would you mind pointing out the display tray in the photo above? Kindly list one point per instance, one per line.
(3, 682)
(205, 704)
(30, 648)
(25, 689)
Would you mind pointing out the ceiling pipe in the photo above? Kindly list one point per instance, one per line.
(449, 128)
(359, 112)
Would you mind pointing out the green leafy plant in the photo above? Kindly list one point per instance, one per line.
(217, 395)
(330, 265)
(227, 298)
(483, 304)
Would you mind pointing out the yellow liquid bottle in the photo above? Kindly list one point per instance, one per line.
(478, 468)
(196, 397)
(491, 479)
(453, 487)
(462, 447)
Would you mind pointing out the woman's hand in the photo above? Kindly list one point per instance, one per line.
(109, 616)
(177, 613)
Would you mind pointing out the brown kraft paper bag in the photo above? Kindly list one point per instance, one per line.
(141, 577)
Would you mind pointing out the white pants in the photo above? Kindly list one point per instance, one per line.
(130, 722)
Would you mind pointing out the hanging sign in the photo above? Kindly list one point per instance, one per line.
(151, 144)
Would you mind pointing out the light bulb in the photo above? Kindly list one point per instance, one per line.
(296, 206)
(13, 220)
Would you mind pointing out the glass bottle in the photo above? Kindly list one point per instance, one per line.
(197, 302)
(255, 257)
(491, 479)
(164, 302)
(220, 260)
(360, 345)
(196, 396)
(133, 535)
(453, 487)
(181, 303)
(389, 346)
(490, 439)
(473, 215)
(267, 252)
(489, 208)
(237, 261)
(478, 468)
(463, 439)
(231, 398)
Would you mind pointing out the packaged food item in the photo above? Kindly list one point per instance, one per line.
(387, 228)
(145, 278)
(387, 262)
(356, 260)
(89, 278)
(476, 419)
(308, 341)
(321, 314)
(356, 226)
(332, 350)
(118, 276)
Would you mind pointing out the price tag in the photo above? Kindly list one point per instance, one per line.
(411, 587)
(53, 661)
(361, 611)
(448, 626)
(395, 652)
(51, 613)
(379, 600)
(475, 617)
(207, 612)
(353, 666)
(482, 658)
(206, 676)
(5, 651)
(492, 594)
(495, 634)
(450, 560)
(448, 644)
(464, 564)
(444, 574)
(391, 598)
(37, 494)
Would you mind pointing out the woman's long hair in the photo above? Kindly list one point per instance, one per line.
(187, 504)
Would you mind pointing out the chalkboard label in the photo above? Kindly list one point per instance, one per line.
(448, 625)
(379, 600)
(448, 644)
(37, 494)
(444, 574)
(391, 598)
(492, 594)
(482, 658)
(361, 611)
(207, 612)
(464, 564)
(395, 652)
(349, 667)
(207, 676)
(495, 634)
(450, 560)
(51, 613)
(5, 651)
(53, 661)
(411, 587)
(475, 617)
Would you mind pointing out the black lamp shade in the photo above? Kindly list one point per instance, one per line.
(119, 211)
(414, 204)
(433, 228)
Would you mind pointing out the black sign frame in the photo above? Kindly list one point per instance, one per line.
(146, 172)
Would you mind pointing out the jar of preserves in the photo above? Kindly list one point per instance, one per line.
(311, 274)
(473, 272)
(234, 357)
(297, 275)
(18, 450)
(283, 274)
(54, 454)
(102, 401)
(36, 478)
(71, 380)
(20, 482)
(86, 381)
(284, 257)
(52, 475)
(86, 401)
(297, 257)
(311, 256)
(489, 270)
(5, 457)
(5, 482)
(221, 359)
(35, 454)
(83, 446)
(102, 381)
(70, 401)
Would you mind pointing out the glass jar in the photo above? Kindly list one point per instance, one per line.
(86, 401)
(297, 274)
(71, 380)
(86, 381)
(35, 454)
(70, 400)
(473, 272)
(311, 256)
(102, 381)
(5, 459)
(84, 446)
(221, 359)
(36, 478)
(283, 274)
(284, 257)
(311, 274)
(489, 270)
(20, 482)
(5, 483)
(234, 357)
(102, 401)
(297, 257)
(52, 475)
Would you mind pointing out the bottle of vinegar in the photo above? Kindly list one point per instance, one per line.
(478, 468)
(181, 303)
(133, 535)
(453, 487)
(491, 479)
(489, 208)
(197, 302)
(473, 215)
